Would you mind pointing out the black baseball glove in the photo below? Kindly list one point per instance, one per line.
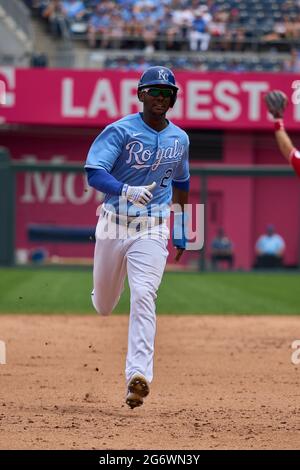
(276, 102)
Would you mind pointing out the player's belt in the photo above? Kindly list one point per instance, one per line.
(140, 223)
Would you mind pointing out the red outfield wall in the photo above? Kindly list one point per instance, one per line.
(74, 105)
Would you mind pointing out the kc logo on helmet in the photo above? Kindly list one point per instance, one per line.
(162, 75)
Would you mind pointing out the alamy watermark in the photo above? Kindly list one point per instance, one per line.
(2, 353)
(153, 220)
(2, 93)
(295, 357)
(296, 92)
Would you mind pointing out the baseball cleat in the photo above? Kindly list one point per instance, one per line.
(138, 389)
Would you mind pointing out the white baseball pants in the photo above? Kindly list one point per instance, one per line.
(142, 256)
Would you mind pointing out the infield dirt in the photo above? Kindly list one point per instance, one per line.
(219, 383)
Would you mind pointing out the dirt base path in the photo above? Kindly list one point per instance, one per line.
(220, 383)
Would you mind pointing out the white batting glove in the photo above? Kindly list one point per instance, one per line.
(138, 195)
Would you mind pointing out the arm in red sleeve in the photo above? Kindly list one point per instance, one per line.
(295, 161)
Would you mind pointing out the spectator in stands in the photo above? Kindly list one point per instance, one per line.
(73, 9)
(177, 25)
(199, 34)
(149, 31)
(235, 66)
(297, 27)
(183, 18)
(291, 23)
(234, 38)
(270, 248)
(221, 250)
(39, 60)
(140, 64)
(293, 64)
(217, 27)
(55, 16)
(99, 25)
(116, 30)
(278, 32)
(168, 30)
(149, 36)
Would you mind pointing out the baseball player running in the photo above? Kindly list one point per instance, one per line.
(276, 102)
(141, 164)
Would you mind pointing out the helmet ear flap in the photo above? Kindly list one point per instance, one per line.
(173, 99)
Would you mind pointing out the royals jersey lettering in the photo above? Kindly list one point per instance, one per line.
(136, 154)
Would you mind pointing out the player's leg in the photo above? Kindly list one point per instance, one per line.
(109, 270)
(146, 260)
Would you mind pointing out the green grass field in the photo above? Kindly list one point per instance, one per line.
(63, 291)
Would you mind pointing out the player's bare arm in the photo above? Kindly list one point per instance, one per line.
(284, 143)
(276, 102)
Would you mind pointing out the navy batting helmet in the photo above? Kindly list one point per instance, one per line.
(159, 76)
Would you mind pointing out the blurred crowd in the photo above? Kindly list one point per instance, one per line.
(201, 63)
(195, 25)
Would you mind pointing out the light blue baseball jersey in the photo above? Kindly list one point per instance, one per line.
(270, 245)
(136, 154)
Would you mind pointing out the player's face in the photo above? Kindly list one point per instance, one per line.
(155, 102)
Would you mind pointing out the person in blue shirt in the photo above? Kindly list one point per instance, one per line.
(270, 249)
(73, 9)
(199, 33)
(140, 164)
(221, 249)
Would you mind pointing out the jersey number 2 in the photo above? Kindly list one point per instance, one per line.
(164, 180)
